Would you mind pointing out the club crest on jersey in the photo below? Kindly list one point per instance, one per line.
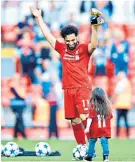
(71, 57)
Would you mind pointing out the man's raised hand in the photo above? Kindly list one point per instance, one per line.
(35, 12)
(98, 19)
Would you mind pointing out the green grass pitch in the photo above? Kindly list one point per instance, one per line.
(120, 150)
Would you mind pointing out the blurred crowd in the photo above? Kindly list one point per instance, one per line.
(38, 66)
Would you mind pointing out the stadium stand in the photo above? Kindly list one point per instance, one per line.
(40, 106)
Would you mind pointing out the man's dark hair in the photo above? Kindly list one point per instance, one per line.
(70, 29)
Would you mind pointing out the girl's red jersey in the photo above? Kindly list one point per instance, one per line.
(100, 127)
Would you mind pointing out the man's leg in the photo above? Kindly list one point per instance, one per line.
(71, 113)
(126, 122)
(118, 122)
(82, 104)
(78, 131)
(84, 121)
(21, 126)
(16, 129)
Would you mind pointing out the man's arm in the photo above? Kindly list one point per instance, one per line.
(94, 40)
(96, 22)
(45, 30)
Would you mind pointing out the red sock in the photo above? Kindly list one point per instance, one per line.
(85, 123)
(79, 133)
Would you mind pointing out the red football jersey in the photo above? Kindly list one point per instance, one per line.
(99, 127)
(75, 65)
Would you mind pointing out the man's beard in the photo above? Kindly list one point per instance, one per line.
(72, 47)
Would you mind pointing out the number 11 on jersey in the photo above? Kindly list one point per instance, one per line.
(85, 103)
(100, 122)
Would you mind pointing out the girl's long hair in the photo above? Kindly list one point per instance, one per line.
(100, 102)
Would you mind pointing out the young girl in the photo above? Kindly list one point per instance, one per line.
(98, 123)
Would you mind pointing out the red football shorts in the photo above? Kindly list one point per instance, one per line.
(76, 101)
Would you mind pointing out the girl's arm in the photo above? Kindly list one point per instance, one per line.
(89, 120)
